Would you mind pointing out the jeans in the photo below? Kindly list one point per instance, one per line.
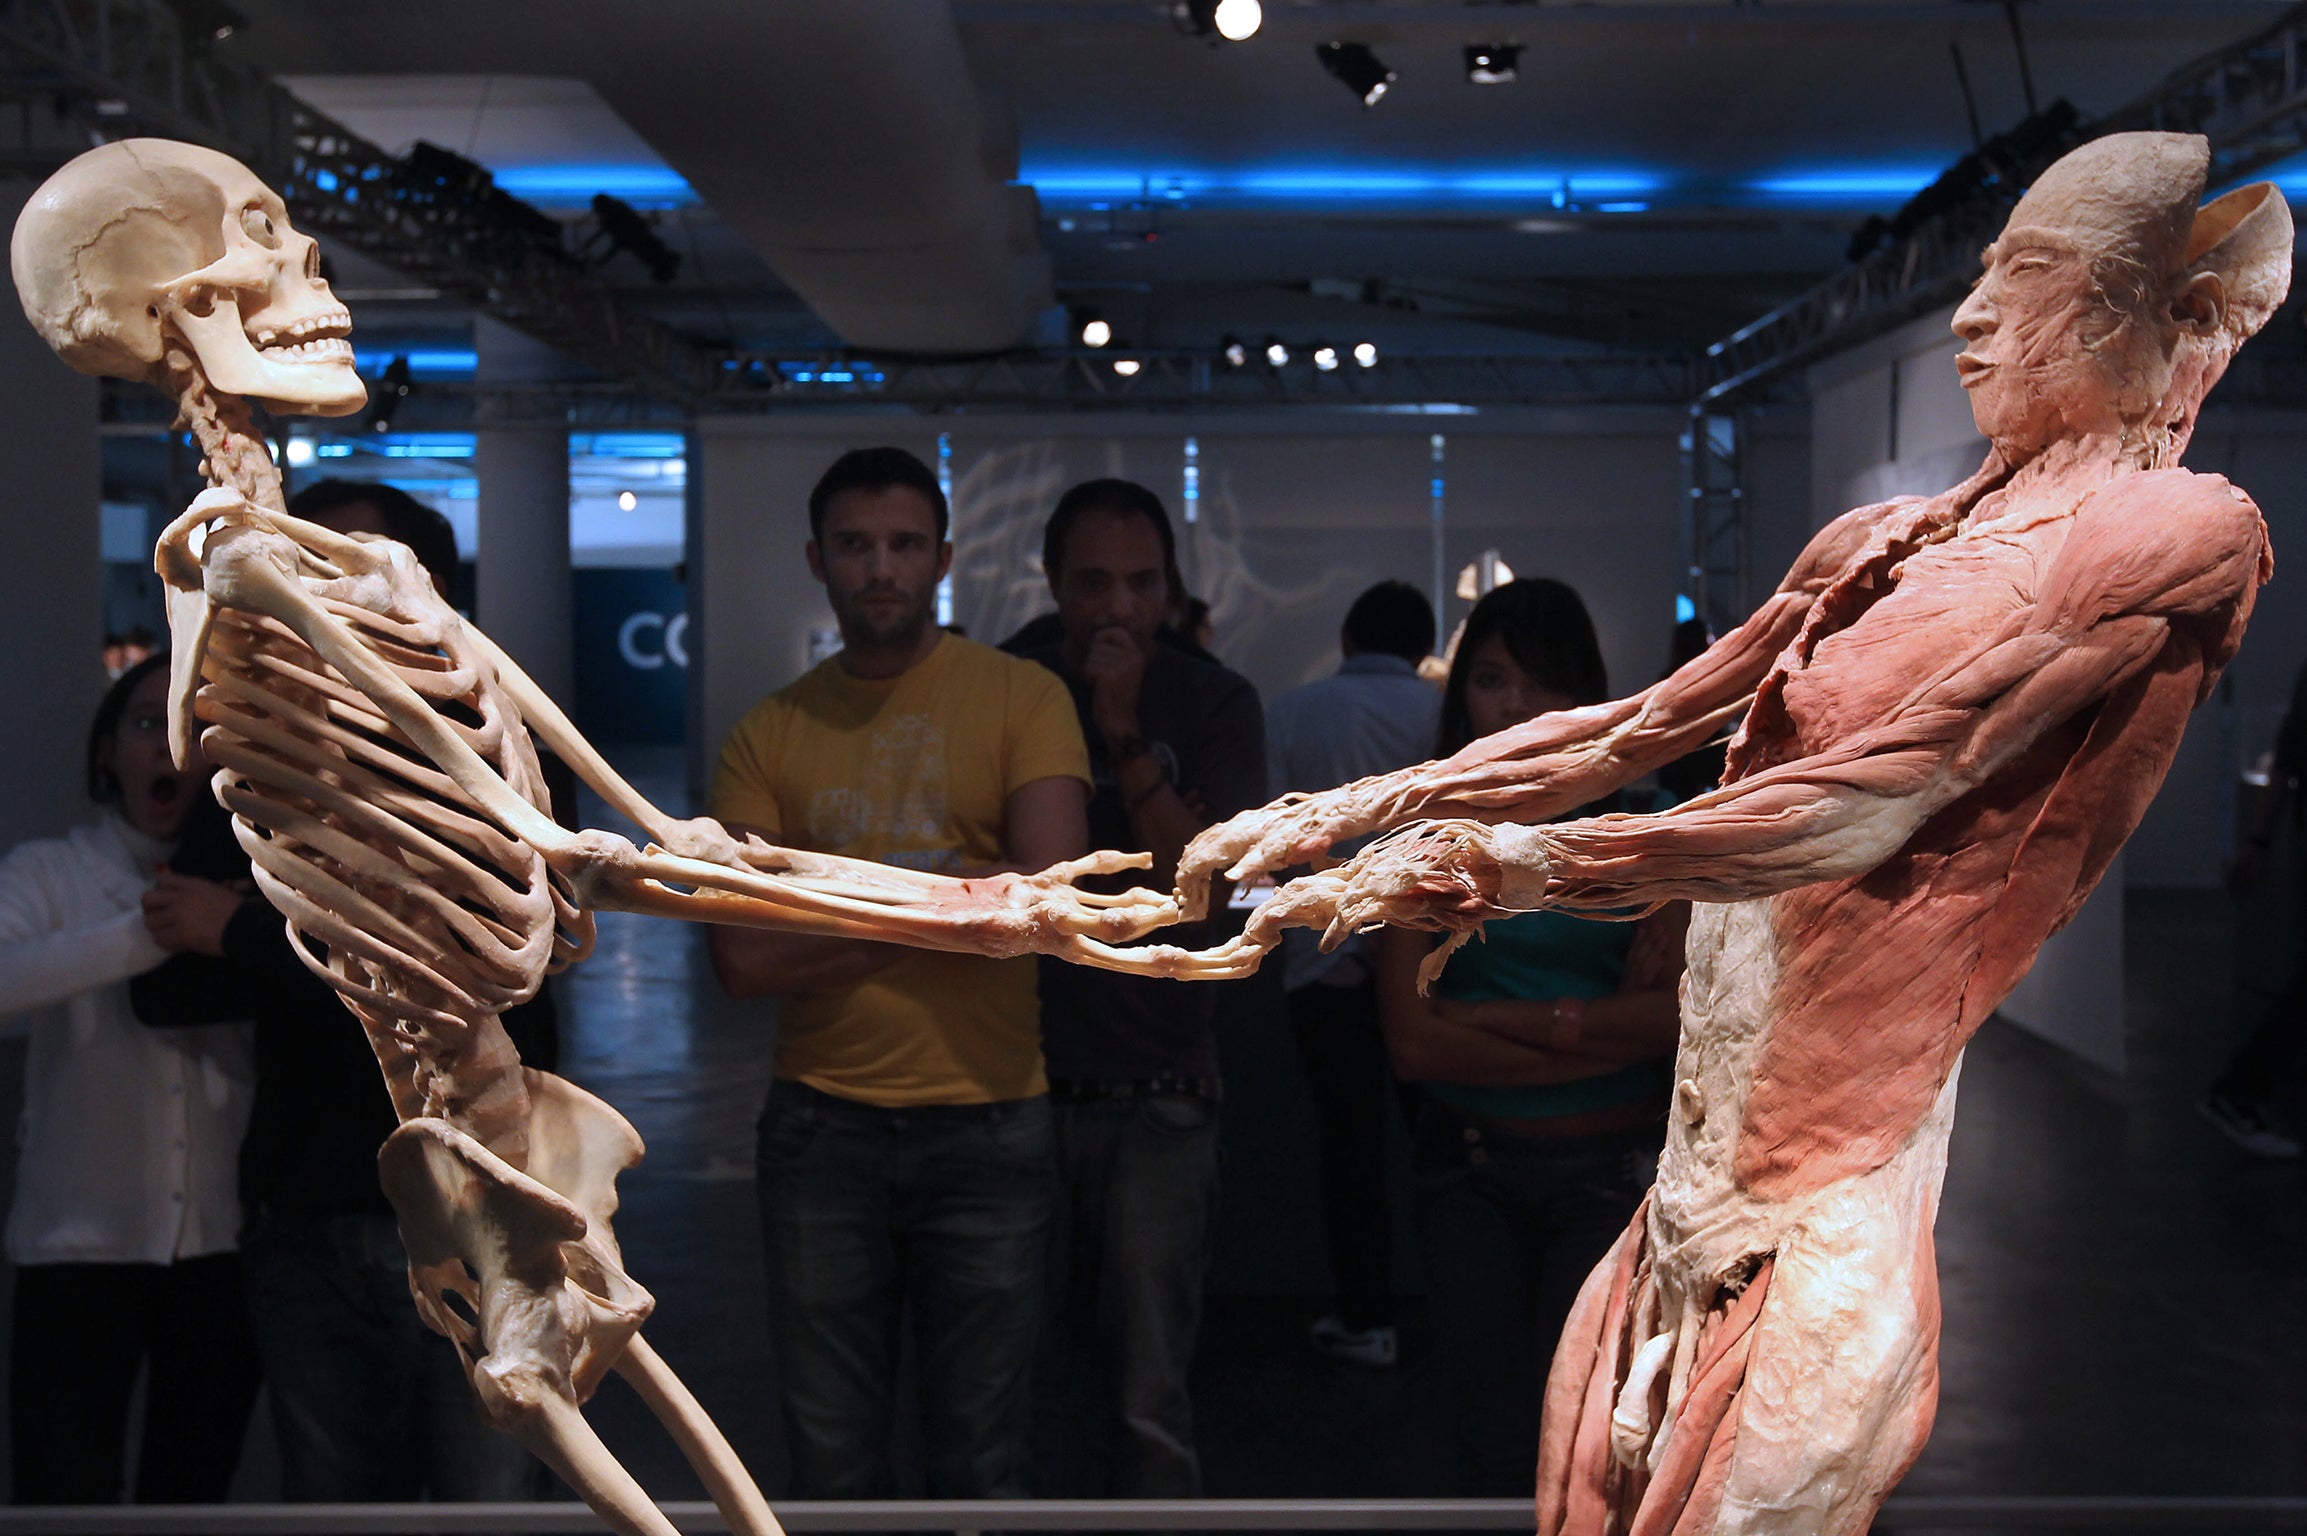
(370, 1404)
(1137, 1202)
(1353, 1090)
(1512, 1225)
(80, 1333)
(869, 1212)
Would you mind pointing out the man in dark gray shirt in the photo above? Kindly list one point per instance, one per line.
(1374, 715)
(1175, 744)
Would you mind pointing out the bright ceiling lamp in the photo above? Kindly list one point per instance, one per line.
(1236, 21)
(1126, 366)
(1326, 358)
(1365, 354)
(1493, 63)
(1277, 355)
(1093, 328)
(1358, 69)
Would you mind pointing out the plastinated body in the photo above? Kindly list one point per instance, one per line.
(1955, 710)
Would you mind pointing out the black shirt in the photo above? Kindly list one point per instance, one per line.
(1205, 726)
(321, 1110)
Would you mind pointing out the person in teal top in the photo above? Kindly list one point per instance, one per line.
(1544, 1055)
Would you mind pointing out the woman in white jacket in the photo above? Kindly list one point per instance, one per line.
(125, 1211)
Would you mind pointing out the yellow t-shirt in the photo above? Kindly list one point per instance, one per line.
(912, 770)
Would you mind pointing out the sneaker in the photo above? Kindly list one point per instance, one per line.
(1372, 1347)
(2246, 1125)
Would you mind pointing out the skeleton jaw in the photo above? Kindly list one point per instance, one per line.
(303, 365)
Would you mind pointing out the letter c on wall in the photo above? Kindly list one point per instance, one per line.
(628, 641)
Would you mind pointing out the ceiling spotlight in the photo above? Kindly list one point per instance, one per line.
(1326, 358)
(299, 452)
(1234, 20)
(1093, 330)
(1365, 354)
(621, 227)
(1238, 20)
(1357, 68)
(1277, 355)
(1235, 354)
(1493, 63)
(393, 386)
(1126, 366)
(627, 501)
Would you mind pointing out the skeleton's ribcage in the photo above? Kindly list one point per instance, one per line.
(425, 915)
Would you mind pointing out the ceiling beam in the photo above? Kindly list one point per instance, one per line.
(86, 69)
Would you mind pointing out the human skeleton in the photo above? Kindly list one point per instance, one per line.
(375, 753)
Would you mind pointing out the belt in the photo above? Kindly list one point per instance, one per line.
(1591, 1122)
(1078, 1089)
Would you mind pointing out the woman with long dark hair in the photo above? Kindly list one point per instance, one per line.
(1544, 1055)
(125, 1213)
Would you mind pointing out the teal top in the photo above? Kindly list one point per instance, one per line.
(1541, 955)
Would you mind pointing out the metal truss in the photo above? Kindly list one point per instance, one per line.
(1718, 572)
(1087, 380)
(1026, 381)
(2250, 100)
(80, 69)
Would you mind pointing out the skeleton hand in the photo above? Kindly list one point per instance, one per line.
(1442, 876)
(1061, 910)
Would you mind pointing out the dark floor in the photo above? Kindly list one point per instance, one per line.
(2125, 1299)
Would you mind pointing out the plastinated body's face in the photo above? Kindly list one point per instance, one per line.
(2052, 348)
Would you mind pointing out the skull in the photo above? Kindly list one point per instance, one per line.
(142, 240)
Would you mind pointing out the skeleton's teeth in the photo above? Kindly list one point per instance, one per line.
(319, 349)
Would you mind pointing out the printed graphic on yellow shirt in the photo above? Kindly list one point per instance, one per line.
(902, 807)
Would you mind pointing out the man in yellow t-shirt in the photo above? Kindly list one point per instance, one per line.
(905, 1159)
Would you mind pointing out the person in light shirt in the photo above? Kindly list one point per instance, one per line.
(125, 1212)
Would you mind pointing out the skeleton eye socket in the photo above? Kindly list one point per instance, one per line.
(258, 224)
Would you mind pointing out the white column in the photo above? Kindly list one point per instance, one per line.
(521, 566)
(52, 619)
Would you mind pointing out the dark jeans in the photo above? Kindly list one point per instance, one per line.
(1512, 1225)
(1136, 1203)
(867, 1212)
(81, 1331)
(1354, 1091)
(2271, 1057)
(370, 1404)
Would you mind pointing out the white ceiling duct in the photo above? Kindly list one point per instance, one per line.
(848, 145)
(843, 140)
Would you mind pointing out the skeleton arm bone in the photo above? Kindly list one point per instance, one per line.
(1550, 764)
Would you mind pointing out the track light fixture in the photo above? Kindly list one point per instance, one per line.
(1127, 367)
(1360, 70)
(1235, 21)
(1365, 354)
(1235, 354)
(392, 387)
(1092, 328)
(1277, 355)
(622, 227)
(1326, 358)
(1493, 63)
